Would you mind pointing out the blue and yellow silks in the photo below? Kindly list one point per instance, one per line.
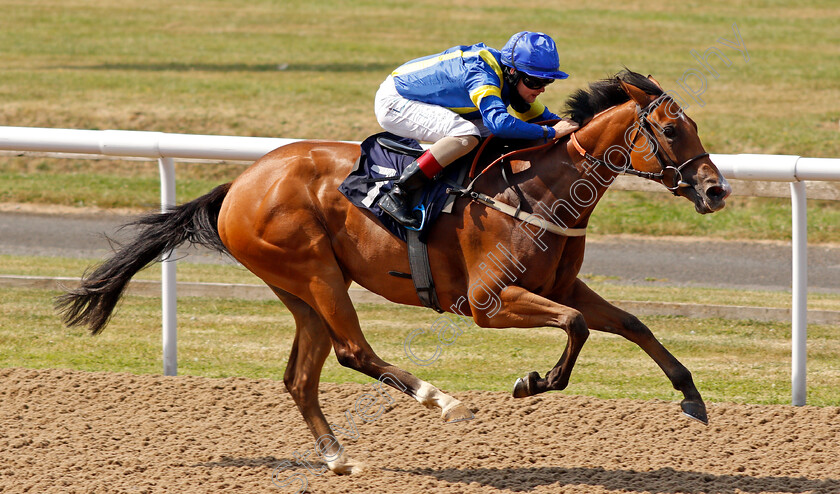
(469, 81)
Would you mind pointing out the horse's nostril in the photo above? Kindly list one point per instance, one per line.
(716, 192)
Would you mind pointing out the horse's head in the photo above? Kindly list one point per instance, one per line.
(664, 145)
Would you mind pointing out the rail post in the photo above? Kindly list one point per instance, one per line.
(169, 300)
(799, 292)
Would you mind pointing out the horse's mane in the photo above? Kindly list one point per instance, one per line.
(584, 104)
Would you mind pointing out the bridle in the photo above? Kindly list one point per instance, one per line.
(652, 135)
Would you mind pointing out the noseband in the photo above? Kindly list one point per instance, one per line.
(645, 127)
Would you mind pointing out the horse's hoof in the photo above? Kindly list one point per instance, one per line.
(346, 466)
(457, 413)
(520, 388)
(526, 386)
(695, 410)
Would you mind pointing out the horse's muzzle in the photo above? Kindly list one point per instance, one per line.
(710, 196)
(707, 189)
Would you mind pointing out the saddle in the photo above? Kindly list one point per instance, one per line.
(383, 158)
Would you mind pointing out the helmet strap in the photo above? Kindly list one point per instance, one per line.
(517, 102)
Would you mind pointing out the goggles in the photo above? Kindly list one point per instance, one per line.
(532, 82)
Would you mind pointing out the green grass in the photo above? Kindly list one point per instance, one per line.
(104, 183)
(740, 361)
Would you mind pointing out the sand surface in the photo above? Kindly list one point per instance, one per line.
(75, 432)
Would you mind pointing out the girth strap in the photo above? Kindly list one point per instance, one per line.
(421, 271)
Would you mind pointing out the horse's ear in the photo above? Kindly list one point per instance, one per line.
(640, 97)
(650, 77)
(636, 94)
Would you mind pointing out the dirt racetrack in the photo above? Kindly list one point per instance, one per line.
(75, 432)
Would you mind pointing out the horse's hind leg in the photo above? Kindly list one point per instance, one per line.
(303, 373)
(352, 350)
(603, 316)
(331, 300)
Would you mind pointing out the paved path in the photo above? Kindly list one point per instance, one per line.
(697, 262)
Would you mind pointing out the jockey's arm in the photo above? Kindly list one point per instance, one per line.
(501, 123)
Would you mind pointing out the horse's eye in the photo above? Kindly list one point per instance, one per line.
(670, 132)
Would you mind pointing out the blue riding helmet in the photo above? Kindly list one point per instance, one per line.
(534, 54)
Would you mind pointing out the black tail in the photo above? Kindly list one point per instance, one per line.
(93, 302)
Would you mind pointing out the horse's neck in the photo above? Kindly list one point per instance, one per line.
(605, 131)
(574, 184)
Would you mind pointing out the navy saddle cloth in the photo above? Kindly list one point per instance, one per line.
(374, 174)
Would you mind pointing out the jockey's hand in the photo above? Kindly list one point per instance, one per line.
(564, 127)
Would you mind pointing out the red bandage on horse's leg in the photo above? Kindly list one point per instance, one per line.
(429, 165)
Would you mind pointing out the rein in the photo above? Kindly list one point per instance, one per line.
(502, 157)
(507, 209)
(646, 128)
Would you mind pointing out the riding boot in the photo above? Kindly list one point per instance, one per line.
(396, 201)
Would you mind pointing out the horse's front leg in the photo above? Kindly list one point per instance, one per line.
(603, 316)
(523, 309)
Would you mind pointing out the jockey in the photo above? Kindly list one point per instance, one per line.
(453, 98)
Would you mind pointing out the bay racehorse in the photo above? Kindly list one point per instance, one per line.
(285, 220)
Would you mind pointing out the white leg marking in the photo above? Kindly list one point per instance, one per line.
(431, 397)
